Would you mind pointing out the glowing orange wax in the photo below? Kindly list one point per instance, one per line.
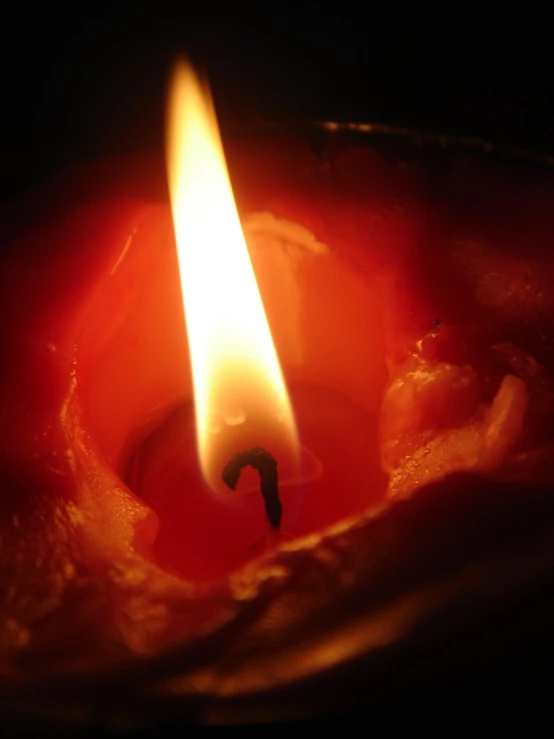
(97, 358)
(335, 386)
(240, 399)
(203, 537)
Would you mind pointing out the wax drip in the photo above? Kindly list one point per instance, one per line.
(266, 465)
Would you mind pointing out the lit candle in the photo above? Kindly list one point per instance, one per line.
(121, 541)
(210, 526)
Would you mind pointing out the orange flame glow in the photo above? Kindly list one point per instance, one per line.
(239, 392)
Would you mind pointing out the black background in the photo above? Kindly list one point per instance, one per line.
(90, 81)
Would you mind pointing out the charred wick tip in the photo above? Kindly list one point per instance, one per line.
(266, 465)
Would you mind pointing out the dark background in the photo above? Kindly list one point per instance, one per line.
(90, 80)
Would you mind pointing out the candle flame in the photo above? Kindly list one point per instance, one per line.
(239, 392)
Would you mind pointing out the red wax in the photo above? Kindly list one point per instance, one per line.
(95, 345)
(203, 536)
(315, 302)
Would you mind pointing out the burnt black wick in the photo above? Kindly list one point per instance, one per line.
(266, 464)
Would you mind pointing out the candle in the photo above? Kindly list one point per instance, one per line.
(210, 526)
(109, 560)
